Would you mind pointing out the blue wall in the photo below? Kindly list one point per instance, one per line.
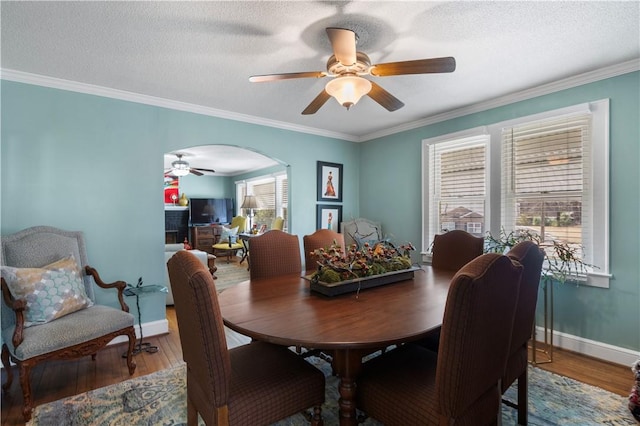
(83, 162)
(95, 164)
(390, 191)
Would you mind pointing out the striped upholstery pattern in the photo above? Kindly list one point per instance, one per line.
(453, 249)
(531, 257)
(258, 383)
(322, 238)
(274, 253)
(412, 385)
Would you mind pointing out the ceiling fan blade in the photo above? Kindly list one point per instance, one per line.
(315, 104)
(384, 98)
(344, 45)
(195, 172)
(203, 170)
(420, 66)
(286, 76)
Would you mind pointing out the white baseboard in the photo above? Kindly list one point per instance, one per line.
(592, 348)
(148, 329)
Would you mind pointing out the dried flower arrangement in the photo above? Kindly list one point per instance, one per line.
(335, 265)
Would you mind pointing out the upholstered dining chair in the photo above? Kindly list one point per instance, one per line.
(229, 243)
(453, 249)
(274, 253)
(531, 257)
(322, 238)
(411, 385)
(49, 310)
(256, 383)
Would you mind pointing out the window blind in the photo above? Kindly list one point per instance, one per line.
(458, 185)
(546, 178)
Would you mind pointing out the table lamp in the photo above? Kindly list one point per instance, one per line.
(250, 203)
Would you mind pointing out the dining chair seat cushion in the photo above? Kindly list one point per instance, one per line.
(78, 327)
(260, 369)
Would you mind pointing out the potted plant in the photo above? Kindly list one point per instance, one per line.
(562, 262)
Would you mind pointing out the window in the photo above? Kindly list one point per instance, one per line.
(458, 185)
(546, 177)
(551, 170)
(271, 195)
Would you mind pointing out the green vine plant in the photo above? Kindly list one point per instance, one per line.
(562, 260)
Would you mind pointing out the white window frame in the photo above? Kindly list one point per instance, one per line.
(598, 252)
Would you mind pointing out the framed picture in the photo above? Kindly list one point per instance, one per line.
(328, 216)
(329, 181)
(171, 187)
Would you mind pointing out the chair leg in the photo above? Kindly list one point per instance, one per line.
(27, 407)
(132, 343)
(7, 367)
(523, 398)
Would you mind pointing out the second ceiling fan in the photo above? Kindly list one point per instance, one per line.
(347, 66)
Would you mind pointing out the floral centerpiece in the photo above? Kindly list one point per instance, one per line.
(335, 265)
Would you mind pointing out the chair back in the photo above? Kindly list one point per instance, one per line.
(240, 222)
(204, 346)
(42, 245)
(475, 339)
(322, 238)
(277, 223)
(531, 257)
(274, 253)
(454, 249)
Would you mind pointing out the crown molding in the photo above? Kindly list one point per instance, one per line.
(90, 89)
(545, 89)
(567, 83)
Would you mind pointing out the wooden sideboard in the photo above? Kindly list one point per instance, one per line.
(204, 237)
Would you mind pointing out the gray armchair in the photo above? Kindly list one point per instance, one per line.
(79, 333)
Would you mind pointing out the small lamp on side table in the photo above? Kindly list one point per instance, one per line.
(250, 202)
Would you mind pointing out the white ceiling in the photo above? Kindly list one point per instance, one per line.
(202, 53)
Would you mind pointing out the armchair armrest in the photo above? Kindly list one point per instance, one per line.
(18, 306)
(119, 285)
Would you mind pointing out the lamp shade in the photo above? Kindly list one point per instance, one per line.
(249, 202)
(348, 89)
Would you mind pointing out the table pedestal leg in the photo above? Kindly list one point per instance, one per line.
(347, 364)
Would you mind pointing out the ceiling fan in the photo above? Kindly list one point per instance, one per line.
(181, 168)
(347, 66)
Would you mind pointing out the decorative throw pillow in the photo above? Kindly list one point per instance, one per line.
(229, 235)
(51, 292)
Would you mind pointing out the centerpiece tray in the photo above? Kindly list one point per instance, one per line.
(356, 284)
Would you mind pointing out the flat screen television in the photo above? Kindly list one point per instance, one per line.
(205, 211)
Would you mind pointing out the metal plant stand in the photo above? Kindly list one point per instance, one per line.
(547, 351)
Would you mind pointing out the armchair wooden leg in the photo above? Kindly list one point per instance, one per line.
(7, 367)
(132, 343)
(27, 407)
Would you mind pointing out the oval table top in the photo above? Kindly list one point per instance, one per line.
(283, 310)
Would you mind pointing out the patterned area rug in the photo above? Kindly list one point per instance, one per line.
(160, 399)
(230, 274)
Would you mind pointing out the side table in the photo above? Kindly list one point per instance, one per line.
(137, 292)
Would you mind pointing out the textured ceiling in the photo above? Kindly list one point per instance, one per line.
(202, 53)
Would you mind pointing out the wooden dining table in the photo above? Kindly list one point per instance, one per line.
(284, 311)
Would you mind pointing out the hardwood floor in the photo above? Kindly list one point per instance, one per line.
(55, 380)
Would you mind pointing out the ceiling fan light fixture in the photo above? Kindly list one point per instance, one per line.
(180, 168)
(348, 89)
